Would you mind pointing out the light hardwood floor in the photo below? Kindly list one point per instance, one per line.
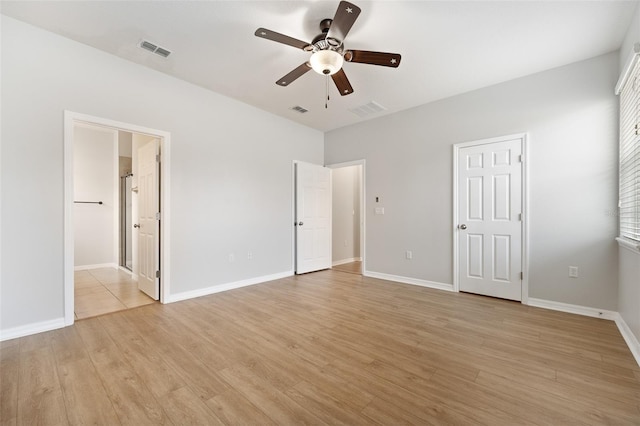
(351, 267)
(105, 290)
(324, 348)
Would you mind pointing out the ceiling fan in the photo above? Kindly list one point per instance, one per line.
(327, 49)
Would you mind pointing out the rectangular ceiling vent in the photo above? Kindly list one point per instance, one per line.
(299, 109)
(368, 109)
(153, 48)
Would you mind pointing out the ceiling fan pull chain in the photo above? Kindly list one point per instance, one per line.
(326, 103)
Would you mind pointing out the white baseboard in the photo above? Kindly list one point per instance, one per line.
(26, 330)
(343, 261)
(225, 287)
(573, 309)
(407, 280)
(629, 337)
(99, 265)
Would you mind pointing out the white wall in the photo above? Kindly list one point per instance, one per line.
(125, 144)
(231, 174)
(95, 180)
(571, 116)
(346, 213)
(629, 293)
(632, 36)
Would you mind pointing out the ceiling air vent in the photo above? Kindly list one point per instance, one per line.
(368, 109)
(153, 48)
(299, 109)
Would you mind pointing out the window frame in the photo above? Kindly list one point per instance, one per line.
(628, 88)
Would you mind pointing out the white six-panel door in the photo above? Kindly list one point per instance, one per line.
(313, 218)
(489, 219)
(148, 206)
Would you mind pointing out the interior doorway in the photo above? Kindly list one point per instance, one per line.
(102, 266)
(348, 232)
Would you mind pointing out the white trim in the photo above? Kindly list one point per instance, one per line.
(29, 329)
(343, 261)
(96, 266)
(408, 280)
(628, 67)
(491, 140)
(629, 337)
(226, 287)
(72, 118)
(68, 222)
(363, 208)
(573, 309)
(116, 197)
(525, 207)
(628, 244)
(293, 215)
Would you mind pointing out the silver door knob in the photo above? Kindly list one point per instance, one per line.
(300, 223)
(463, 226)
(136, 225)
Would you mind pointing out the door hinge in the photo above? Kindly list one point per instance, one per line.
(157, 274)
(521, 276)
(157, 158)
(520, 158)
(520, 217)
(158, 216)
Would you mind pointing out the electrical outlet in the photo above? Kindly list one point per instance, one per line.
(408, 254)
(573, 271)
(249, 255)
(345, 243)
(232, 257)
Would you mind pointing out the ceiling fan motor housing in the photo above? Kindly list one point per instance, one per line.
(327, 51)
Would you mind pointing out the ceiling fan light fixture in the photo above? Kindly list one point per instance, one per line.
(326, 62)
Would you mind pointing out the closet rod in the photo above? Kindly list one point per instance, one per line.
(88, 202)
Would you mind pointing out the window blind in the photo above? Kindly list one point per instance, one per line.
(629, 185)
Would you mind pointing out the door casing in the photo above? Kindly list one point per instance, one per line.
(70, 119)
(525, 208)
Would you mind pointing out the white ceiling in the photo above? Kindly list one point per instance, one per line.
(447, 47)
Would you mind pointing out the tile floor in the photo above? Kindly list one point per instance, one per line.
(104, 290)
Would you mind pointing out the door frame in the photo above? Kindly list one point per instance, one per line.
(524, 137)
(70, 120)
(363, 216)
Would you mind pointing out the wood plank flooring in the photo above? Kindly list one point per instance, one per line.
(351, 267)
(324, 348)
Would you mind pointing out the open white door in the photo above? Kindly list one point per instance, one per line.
(490, 219)
(149, 225)
(313, 217)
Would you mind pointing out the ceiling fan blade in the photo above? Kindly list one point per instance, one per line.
(373, 58)
(346, 15)
(281, 38)
(293, 75)
(342, 83)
